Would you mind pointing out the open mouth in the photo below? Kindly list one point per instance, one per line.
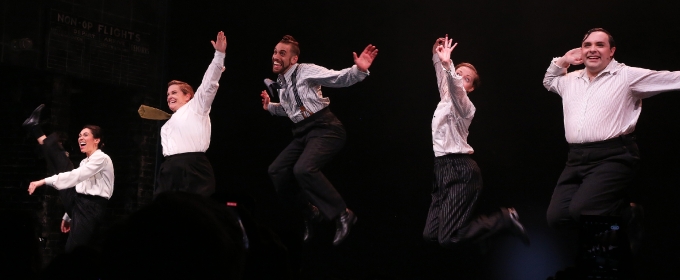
(82, 144)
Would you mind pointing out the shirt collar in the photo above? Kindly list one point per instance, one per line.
(286, 76)
(611, 68)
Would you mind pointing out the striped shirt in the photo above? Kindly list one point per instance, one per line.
(610, 104)
(310, 79)
(453, 115)
(188, 130)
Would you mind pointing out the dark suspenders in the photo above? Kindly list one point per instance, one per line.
(303, 111)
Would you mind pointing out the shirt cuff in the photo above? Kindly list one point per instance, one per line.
(359, 72)
(219, 59)
(50, 180)
(66, 218)
(556, 69)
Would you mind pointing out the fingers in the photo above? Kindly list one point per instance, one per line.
(354, 55)
(454, 46)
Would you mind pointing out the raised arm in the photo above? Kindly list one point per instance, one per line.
(558, 67)
(450, 84)
(345, 77)
(205, 94)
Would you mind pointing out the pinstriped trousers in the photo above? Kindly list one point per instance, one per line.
(456, 188)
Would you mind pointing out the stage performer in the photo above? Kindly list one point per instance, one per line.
(318, 134)
(601, 105)
(457, 178)
(84, 191)
(185, 137)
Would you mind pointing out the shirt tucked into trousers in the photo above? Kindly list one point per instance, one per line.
(599, 116)
(457, 180)
(317, 137)
(86, 212)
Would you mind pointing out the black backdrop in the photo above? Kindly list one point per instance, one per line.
(384, 172)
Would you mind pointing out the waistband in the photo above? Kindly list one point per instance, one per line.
(193, 154)
(613, 142)
(92, 197)
(315, 116)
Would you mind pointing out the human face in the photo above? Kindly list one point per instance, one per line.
(176, 98)
(87, 143)
(468, 77)
(282, 58)
(596, 52)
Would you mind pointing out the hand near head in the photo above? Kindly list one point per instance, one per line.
(366, 58)
(572, 57)
(444, 52)
(221, 44)
(265, 100)
(35, 184)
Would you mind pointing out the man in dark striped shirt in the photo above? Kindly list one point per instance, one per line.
(318, 134)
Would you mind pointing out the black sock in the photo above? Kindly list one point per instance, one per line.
(36, 131)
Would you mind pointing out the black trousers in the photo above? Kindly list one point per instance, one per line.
(317, 140)
(187, 172)
(457, 185)
(86, 211)
(594, 180)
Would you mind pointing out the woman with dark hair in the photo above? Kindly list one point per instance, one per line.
(85, 190)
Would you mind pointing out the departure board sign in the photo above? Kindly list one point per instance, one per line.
(98, 51)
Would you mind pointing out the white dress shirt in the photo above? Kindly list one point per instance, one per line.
(310, 79)
(453, 115)
(188, 130)
(94, 176)
(610, 104)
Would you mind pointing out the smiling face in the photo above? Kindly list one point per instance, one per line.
(176, 97)
(469, 77)
(87, 143)
(283, 58)
(596, 52)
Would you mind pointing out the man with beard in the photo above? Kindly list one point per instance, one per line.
(318, 134)
(601, 104)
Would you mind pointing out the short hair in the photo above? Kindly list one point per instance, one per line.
(612, 43)
(96, 134)
(184, 87)
(294, 45)
(477, 81)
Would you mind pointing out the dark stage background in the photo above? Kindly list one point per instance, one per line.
(385, 170)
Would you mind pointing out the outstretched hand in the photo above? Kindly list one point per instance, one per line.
(366, 58)
(265, 100)
(572, 57)
(444, 52)
(220, 44)
(35, 184)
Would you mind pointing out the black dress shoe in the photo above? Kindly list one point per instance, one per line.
(313, 216)
(517, 227)
(32, 124)
(34, 119)
(343, 224)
